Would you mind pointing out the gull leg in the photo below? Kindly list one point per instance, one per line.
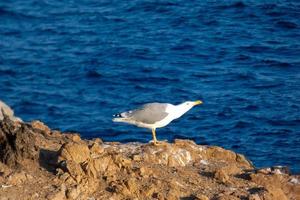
(154, 136)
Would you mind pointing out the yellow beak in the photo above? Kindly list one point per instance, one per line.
(197, 102)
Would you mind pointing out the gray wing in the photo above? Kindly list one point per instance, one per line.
(148, 113)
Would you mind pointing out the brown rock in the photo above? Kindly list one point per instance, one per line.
(74, 169)
(96, 149)
(184, 143)
(56, 133)
(17, 178)
(58, 195)
(264, 171)
(267, 180)
(101, 164)
(173, 194)
(228, 156)
(277, 193)
(241, 159)
(94, 170)
(221, 176)
(148, 191)
(64, 176)
(75, 138)
(137, 158)
(145, 172)
(89, 168)
(41, 126)
(227, 197)
(17, 142)
(254, 197)
(272, 183)
(122, 161)
(77, 152)
(97, 140)
(88, 186)
(131, 185)
(231, 169)
(158, 196)
(220, 153)
(201, 197)
(73, 193)
(167, 154)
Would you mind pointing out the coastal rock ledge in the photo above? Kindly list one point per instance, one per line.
(39, 163)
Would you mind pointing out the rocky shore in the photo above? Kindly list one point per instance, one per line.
(39, 163)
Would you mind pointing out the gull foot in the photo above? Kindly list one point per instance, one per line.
(159, 143)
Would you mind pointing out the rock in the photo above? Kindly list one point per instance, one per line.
(231, 169)
(41, 126)
(77, 152)
(266, 180)
(171, 156)
(131, 185)
(56, 134)
(58, 195)
(254, 197)
(264, 170)
(145, 172)
(96, 149)
(121, 161)
(201, 197)
(148, 191)
(228, 156)
(75, 138)
(181, 157)
(89, 168)
(276, 193)
(227, 197)
(137, 158)
(221, 176)
(220, 153)
(97, 140)
(17, 142)
(17, 178)
(103, 164)
(73, 193)
(173, 194)
(294, 180)
(6, 110)
(280, 170)
(74, 169)
(272, 183)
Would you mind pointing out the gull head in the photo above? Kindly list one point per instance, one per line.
(184, 107)
(192, 103)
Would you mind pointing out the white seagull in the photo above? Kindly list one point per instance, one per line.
(155, 115)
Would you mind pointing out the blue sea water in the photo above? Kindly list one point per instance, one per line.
(73, 64)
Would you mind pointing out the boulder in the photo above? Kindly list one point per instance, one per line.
(77, 152)
(17, 143)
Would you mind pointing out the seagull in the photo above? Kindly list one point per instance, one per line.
(155, 115)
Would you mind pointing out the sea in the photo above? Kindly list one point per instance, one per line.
(74, 63)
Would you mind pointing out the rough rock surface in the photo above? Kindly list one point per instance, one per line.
(6, 110)
(40, 163)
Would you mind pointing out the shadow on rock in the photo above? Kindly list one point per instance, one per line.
(48, 160)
